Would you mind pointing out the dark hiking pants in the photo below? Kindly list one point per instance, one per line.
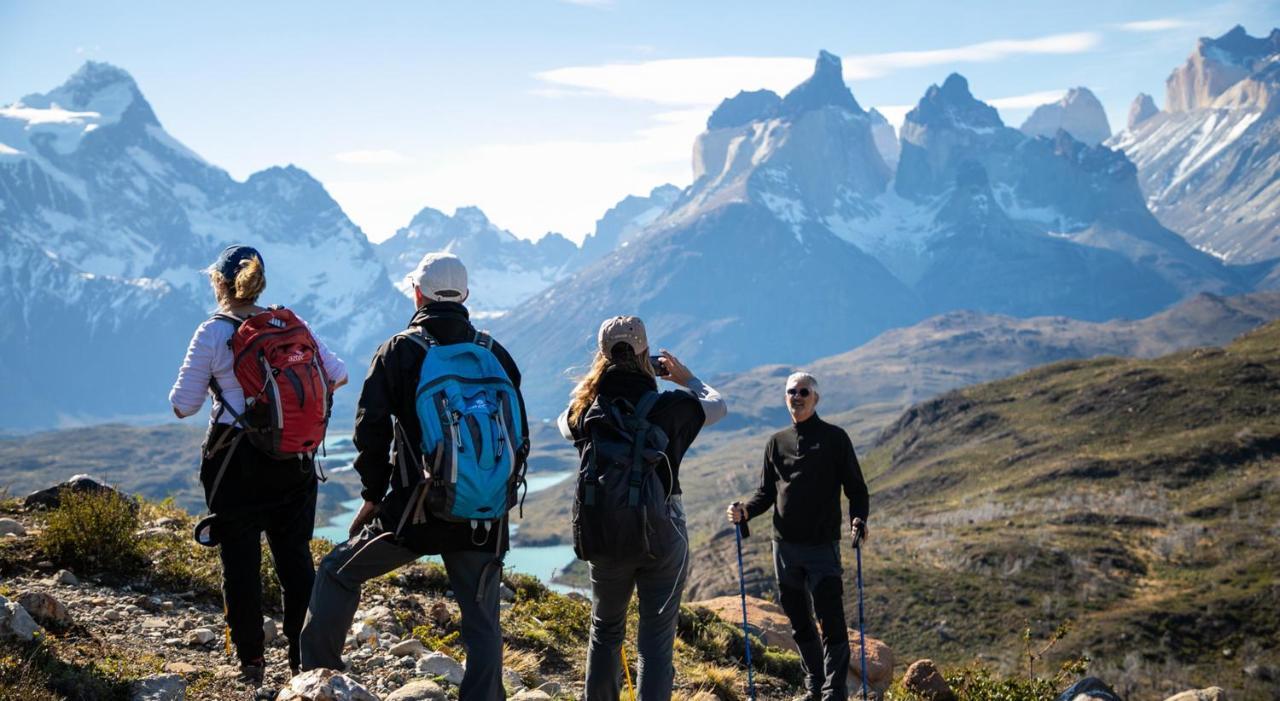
(810, 582)
(660, 586)
(288, 529)
(372, 552)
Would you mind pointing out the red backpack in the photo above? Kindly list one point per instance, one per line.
(287, 396)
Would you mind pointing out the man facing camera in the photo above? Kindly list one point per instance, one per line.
(805, 468)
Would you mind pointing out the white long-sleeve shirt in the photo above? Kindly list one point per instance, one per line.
(209, 356)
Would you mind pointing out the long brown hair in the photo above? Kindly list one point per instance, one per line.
(588, 387)
(249, 282)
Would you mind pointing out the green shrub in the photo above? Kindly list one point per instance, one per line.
(94, 532)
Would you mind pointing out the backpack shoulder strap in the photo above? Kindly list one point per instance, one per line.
(645, 405)
(419, 335)
(484, 340)
(231, 318)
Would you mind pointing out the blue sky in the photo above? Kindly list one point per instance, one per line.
(544, 113)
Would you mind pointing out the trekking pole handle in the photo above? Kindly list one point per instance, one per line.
(743, 529)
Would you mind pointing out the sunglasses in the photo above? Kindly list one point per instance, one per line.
(801, 391)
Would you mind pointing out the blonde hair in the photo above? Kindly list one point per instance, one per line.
(588, 387)
(248, 284)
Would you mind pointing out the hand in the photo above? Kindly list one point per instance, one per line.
(676, 371)
(735, 513)
(366, 513)
(178, 413)
(858, 530)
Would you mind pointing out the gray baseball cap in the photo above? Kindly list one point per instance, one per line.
(623, 329)
(441, 276)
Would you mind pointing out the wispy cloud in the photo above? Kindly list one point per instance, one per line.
(1027, 101)
(705, 81)
(1162, 24)
(371, 157)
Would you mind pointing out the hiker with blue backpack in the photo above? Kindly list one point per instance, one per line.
(271, 380)
(441, 434)
(628, 518)
(806, 467)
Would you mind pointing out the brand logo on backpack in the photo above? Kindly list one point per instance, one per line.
(278, 323)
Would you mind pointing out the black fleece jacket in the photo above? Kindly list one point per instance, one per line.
(806, 466)
(390, 390)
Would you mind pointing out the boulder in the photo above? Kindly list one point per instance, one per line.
(51, 498)
(9, 526)
(324, 685)
(438, 664)
(270, 630)
(158, 687)
(364, 633)
(1212, 693)
(418, 690)
(531, 695)
(923, 679)
(767, 620)
(48, 611)
(412, 646)
(15, 622)
(66, 578)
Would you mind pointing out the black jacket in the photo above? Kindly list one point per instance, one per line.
(389, 391)
(806, 466)
(677, 412)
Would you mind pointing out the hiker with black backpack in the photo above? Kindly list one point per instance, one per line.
(272, 381)
(806, 467)
(628, 518)
(441, 434)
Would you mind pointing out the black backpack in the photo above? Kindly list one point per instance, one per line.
(620, 505)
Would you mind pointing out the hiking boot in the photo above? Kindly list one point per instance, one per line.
(253, 671)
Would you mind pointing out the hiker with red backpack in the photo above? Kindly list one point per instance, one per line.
(441, 434)
(272, 383)
(628, 517)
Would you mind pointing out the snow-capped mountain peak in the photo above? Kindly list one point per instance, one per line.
(952, 105)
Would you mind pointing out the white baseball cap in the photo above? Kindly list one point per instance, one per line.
(441, 277)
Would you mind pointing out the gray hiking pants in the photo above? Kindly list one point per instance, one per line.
(336, 595)
(660, 585)
(810, 582)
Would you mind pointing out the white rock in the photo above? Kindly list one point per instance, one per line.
(10, 526)
(418, 690)
(159, 687)
(1212, 693)
(324, 685)
(531, 695)
(270, 630)
(364, 633)
(412, 646)
(201, 637)
(550, 688)
(438, 664)
(512, 681)
(16, 623)
(506, 593)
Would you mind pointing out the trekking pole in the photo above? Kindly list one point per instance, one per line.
(626, 672)
(862, 631)
(739, 530)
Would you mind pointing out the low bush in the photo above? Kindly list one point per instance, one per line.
(95, 532)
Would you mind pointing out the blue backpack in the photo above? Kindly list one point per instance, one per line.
(472, 440)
